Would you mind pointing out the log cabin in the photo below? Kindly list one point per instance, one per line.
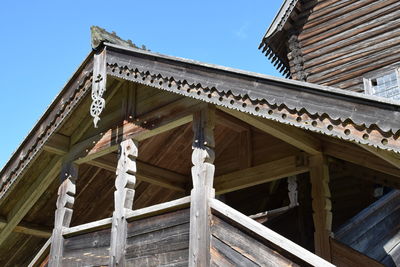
(145, 159)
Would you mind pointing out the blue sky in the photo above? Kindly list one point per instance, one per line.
(44, 42)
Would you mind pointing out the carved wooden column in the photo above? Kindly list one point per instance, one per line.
(203, 179)
(321, 203)
(63, 215)
(123, 200)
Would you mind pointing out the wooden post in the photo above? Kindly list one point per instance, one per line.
(123, 200)
(321, 203)
(63, 215)
(203, 178)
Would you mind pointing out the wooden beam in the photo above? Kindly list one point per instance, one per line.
(352, 153)
(262, 173)
(289, 134)
(57, 144)
(63, 213)
(30, 197)
(41, 255)
(28, 229)
(388, 156)
(123, 200)
(147, 173)
(321, 203)
(203, 170)
(231, 122)
(155, 122)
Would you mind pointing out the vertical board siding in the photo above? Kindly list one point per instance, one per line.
(158, 241)
(343, 41)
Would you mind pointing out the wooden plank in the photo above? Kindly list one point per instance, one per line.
(247, 246)
(28, 228)
(158, 209)
(258, 229)
(321, 204)
(158, 121)
(291, 135)
(147, 173)
(158, 241)
(388, 156)
(345, 256)
(57, 144)
(354, 154)
(63, 214)
(224, 255)
(31, 196)
(263, 173)
(90, 249)
(41, 255)
(87, 227)
(123, 200)
(203, 178)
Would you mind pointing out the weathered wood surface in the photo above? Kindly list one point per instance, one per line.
(203, 157)
(256, 229)
(375, 230)
(123, 200)
(341, 41)
(39, 259)
(159, 240)
(63, 215)
(235, 247)
(90, 249)
(321, 204)
(345, 256)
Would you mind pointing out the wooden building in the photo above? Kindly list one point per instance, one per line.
(150, 160)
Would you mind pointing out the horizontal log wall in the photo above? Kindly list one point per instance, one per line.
(159, 241)
(91, 249)
(342, 40)
(233, 247)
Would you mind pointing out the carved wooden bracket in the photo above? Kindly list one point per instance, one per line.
(99, 82)
(123, 200)
(63, 215)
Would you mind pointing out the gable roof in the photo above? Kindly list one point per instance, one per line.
(347, 115)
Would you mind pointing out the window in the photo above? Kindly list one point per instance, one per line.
(385, 84)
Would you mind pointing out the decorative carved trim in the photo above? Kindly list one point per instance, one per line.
(68, 100)
(99, 82)
(203, 177)
(123, 200)
(340, 127)
(63, 214)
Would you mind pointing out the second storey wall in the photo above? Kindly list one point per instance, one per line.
(340, 41)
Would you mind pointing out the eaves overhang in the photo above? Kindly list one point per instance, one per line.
(271, 44)
(346, 115)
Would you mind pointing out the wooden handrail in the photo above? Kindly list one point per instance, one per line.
(40, 256)
(130, 216)
(260, 230)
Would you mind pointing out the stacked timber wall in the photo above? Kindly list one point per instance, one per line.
(336, 42)
(154, 241)
(231, 246)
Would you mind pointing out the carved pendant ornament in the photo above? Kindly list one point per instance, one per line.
(98, 87)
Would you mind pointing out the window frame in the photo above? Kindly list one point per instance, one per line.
(367, 79)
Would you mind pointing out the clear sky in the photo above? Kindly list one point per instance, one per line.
(44, 42)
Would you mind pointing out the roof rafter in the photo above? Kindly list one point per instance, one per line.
(291, 135)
